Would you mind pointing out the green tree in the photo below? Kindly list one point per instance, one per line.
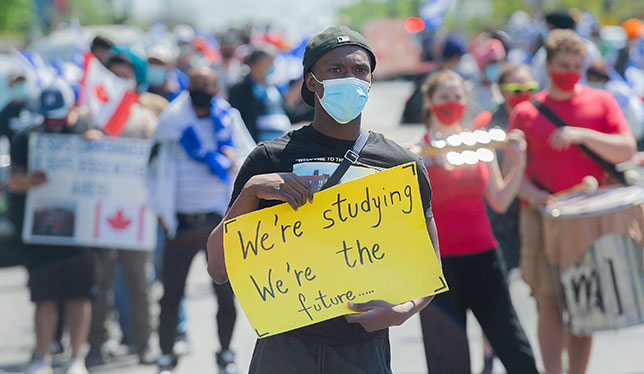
(92, 12)
(15, 15)
(365, 10)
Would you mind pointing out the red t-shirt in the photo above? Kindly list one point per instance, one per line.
(559, 170)
(459, 211)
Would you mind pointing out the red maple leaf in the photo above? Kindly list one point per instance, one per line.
(100, 93)
(119, 222)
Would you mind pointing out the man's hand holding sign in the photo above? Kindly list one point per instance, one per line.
(362, 246)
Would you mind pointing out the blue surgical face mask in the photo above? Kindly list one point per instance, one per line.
(491, 72)
(344, 98)
(157, 75)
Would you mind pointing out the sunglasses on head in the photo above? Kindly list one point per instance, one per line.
(518, 88)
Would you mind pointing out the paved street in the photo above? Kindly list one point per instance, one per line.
(618, 352)
(615, 352)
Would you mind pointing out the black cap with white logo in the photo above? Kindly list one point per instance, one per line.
(321, 43)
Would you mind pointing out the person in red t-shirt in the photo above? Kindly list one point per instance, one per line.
(554, 164)
(472, 266)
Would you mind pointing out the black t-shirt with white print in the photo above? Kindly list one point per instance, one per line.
(315, 156)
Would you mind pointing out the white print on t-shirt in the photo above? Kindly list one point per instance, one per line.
(317, 173)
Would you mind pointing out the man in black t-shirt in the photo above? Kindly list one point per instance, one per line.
(338, 70)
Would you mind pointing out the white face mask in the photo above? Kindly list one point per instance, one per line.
(344, 98)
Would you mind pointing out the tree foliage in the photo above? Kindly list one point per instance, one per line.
(92, 12)
(15, 15)
(607, 11)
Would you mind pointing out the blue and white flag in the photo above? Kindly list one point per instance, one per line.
(222, 122)
(82, 44)
(433, 13)
(288, 66)
(34, 68)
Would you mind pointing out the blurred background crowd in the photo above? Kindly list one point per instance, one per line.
(256, 50)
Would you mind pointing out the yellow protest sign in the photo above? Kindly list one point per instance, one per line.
(358, 241)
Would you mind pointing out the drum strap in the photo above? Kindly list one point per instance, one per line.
(558, 122)
(350, 157)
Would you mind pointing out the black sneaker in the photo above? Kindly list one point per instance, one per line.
(226, 362)
(95, 357)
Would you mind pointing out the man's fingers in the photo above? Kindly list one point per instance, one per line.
(355, 318)
(304, 187)
(297, 195)
(362, 307)
(291, 201)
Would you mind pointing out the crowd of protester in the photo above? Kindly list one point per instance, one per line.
(188, 81)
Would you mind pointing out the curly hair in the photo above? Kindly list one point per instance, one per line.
(564, 41)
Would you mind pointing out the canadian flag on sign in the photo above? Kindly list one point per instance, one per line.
(118, 223)
(107, 96)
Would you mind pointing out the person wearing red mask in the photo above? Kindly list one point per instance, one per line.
(473, 267)
(516, 86)
(593, 119)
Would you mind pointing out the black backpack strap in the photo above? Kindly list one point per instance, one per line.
(558, 122)
(350, 157)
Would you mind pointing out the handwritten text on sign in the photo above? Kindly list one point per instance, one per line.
(95, 193)
(359, 241)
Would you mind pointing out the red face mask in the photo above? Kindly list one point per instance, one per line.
(565, 80)
(449, 113)
(519, 98)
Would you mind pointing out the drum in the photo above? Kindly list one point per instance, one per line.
(595, 243)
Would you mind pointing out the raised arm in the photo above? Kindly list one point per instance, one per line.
(500, 190)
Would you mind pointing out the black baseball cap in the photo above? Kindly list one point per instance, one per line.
(321, 43)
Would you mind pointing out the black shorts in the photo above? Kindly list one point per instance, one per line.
(70, 278)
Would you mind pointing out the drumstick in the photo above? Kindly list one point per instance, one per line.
(493, 139)
(588, 185)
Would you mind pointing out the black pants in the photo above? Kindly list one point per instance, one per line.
(477, 282)
(177, 257)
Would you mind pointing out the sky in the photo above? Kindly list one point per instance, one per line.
(296, 17)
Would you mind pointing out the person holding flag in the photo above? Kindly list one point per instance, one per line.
(141, 123)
